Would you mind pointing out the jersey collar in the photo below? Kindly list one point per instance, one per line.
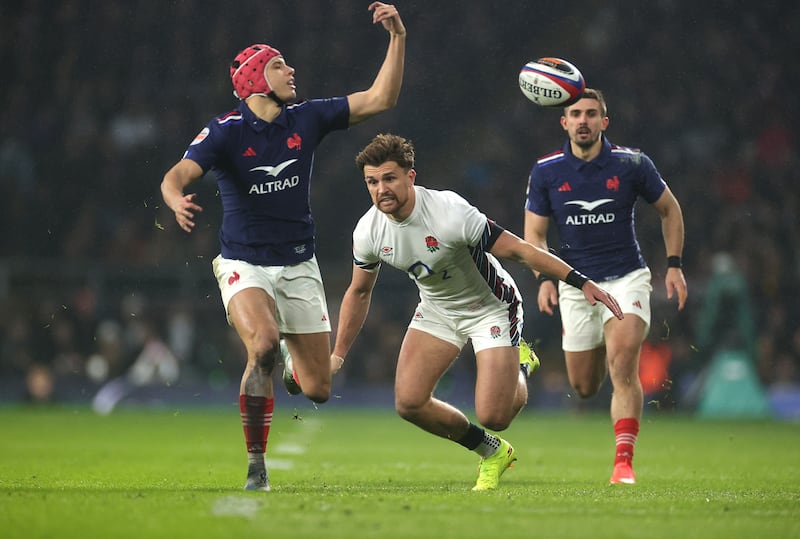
(257, 123)
(600, 161)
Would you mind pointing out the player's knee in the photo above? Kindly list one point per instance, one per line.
(408, 409)
(318, 397)
(586, 390)
(317, 391)
(495, 421)
(265, 352)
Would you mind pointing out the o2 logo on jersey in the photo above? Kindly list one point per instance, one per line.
(420, 270)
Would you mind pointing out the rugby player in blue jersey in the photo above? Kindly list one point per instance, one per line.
(262, 154)
(589, 189)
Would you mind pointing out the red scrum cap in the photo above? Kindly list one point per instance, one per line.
(249, 70)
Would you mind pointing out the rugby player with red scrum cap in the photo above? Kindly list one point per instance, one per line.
(262, 155)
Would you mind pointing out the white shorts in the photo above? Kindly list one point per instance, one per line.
(488, 328)
(297, 290)
(583, 323)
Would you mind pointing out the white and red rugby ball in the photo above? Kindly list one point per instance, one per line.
(551, 82)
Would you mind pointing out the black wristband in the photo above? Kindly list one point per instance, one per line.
(674, 262)
(544, 277)
(576, 279)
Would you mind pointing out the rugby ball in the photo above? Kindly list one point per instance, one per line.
(551, 82)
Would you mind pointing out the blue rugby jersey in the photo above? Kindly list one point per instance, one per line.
(592, 205)
(263, 172)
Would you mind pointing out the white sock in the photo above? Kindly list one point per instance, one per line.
(488, 446)
(255, 460)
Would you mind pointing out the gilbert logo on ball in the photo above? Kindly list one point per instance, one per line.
(551, 82)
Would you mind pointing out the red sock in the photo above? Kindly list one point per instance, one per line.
(626, 431)
(256, 415)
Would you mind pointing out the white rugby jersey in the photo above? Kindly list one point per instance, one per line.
(443, 246)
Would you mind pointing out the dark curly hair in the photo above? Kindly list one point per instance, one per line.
(386, 147)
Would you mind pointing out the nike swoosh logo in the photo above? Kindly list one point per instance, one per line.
(277, 169)
(590, 206)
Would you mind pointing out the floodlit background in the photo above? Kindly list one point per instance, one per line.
(99, 99)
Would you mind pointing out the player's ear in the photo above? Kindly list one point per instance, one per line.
(563, 122)
(412, 174)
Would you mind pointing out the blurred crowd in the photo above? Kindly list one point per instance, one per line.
(98, 284)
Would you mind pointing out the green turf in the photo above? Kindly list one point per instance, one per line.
(65, 472)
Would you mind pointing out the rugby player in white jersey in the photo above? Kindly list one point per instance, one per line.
(450, 250)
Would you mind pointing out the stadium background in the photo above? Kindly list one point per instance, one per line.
(99, 99)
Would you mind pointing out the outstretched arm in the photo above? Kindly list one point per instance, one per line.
(536, 234)
(508, 245)
(673, 231)
(385, 90)
(353, 311)
(175, 180)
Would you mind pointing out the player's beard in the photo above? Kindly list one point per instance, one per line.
(585, 143)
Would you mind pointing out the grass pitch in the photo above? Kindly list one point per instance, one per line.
(348, 473)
